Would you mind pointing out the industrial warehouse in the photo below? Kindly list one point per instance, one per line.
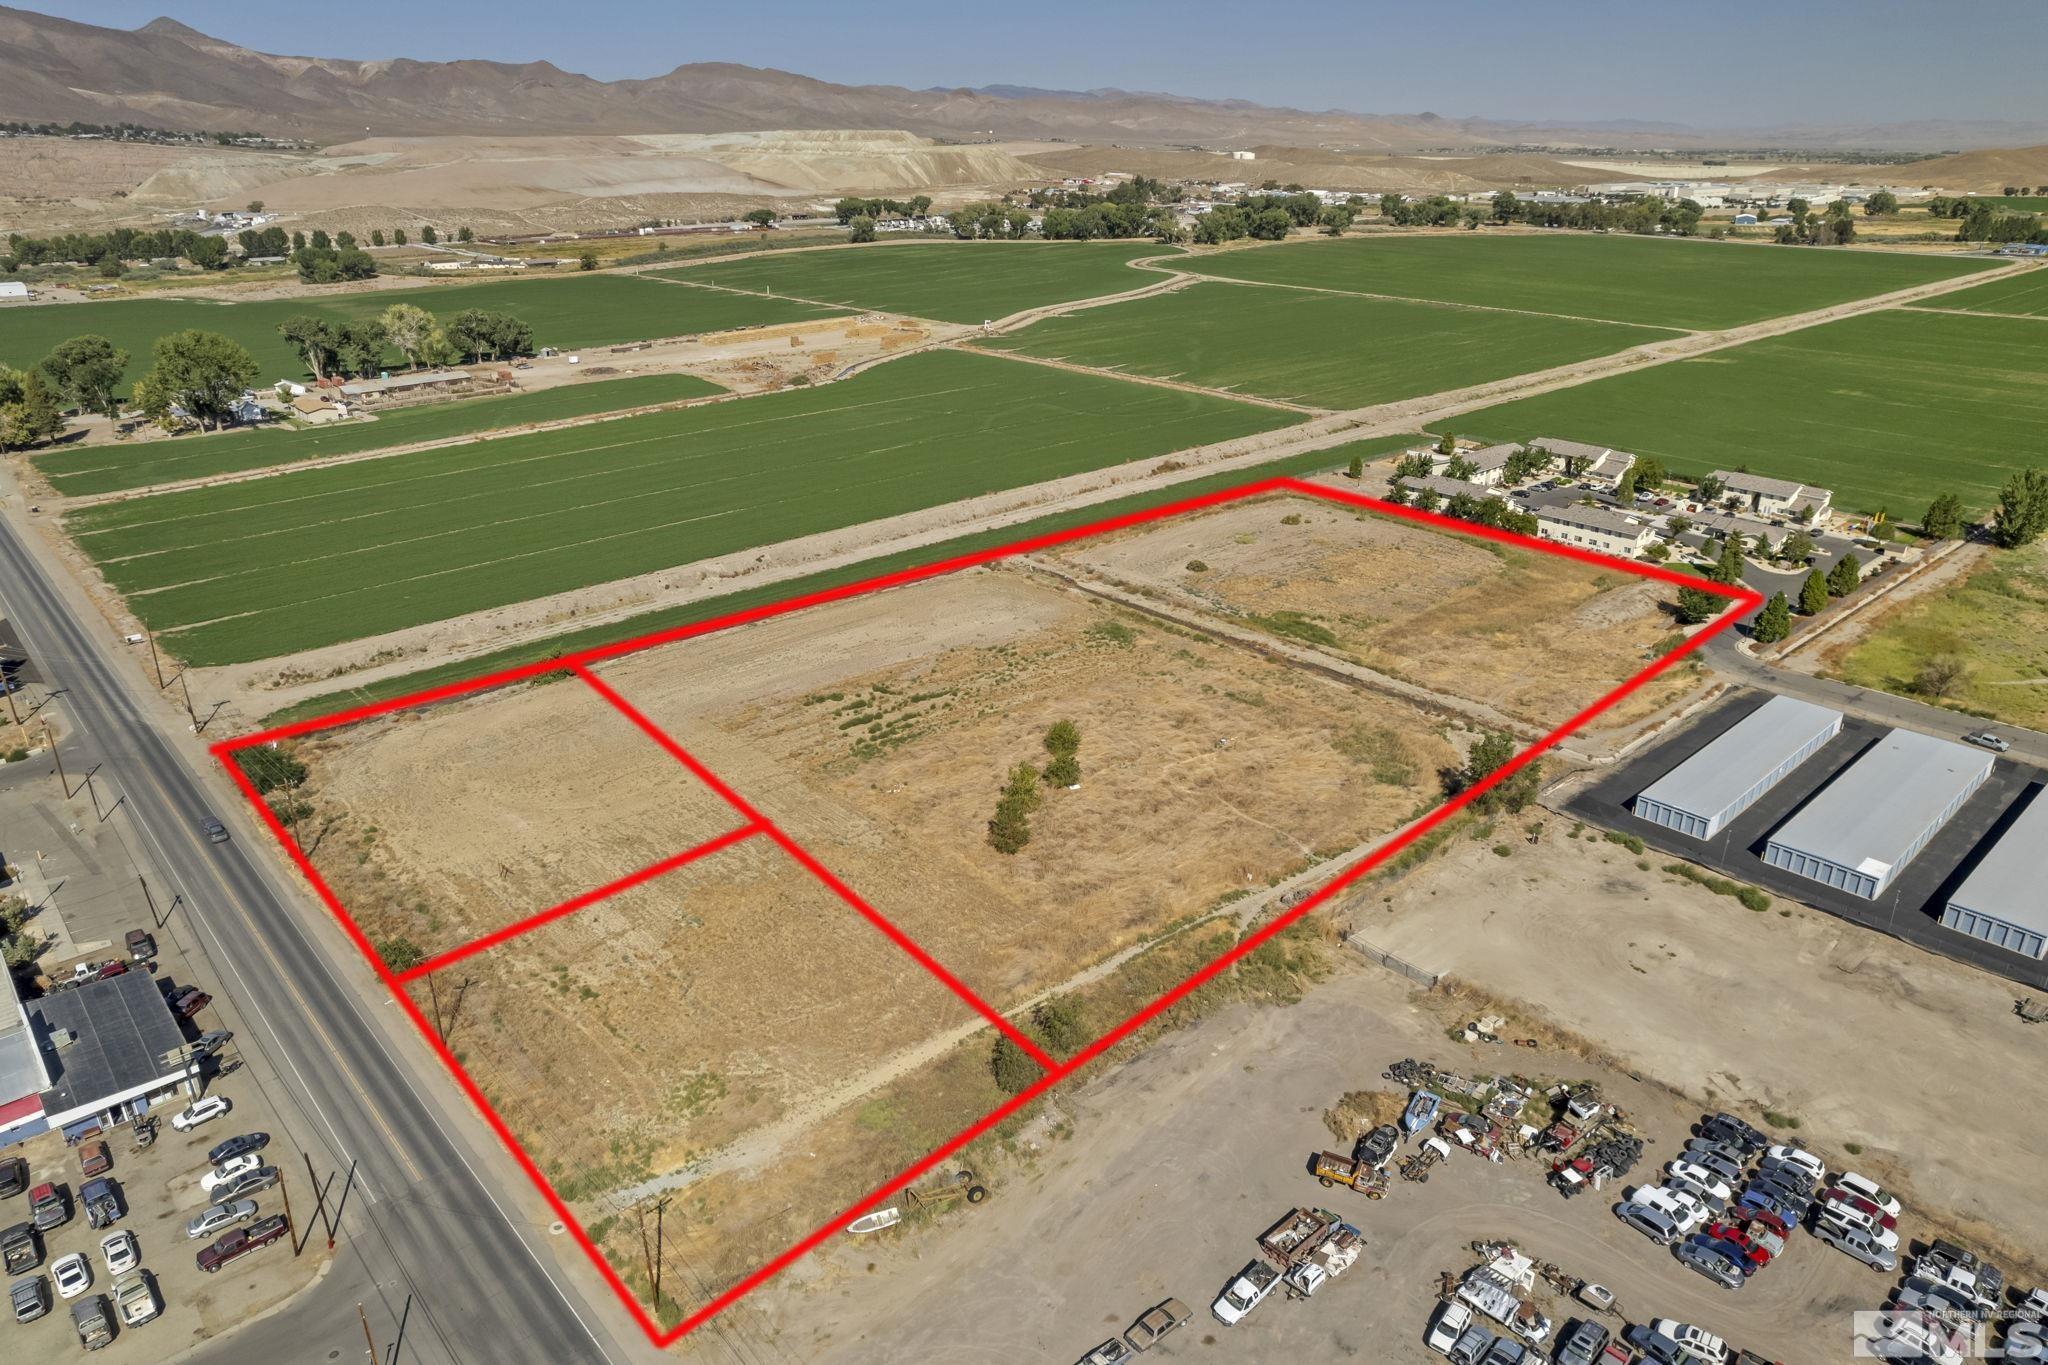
(1924, 838)
(1701, 795)
(1876, 816)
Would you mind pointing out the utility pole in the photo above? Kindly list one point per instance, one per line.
(284, 1190)
(62, 780)
(15, 712)
(155, 920)
(189, 712)
(659, 1206)
(154, 662)
(368, 1340)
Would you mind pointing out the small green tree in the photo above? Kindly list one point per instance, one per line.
(376, 236)
(401, 954)
(1728, 565)
(1797, 549)
(1843, 578)
(2022, 513)
(1060, 1026)
(1447, 444)
(1940, 676)
(271, 768)
(1774, 622)
(1696, 605)
(860, 229)
(428, 235)
(398, 236)
(1494, 750)
(1356, 469)
(587, 261)
(1014, 1070)
(465, 235)
(31, 416)
(1944, 519)
(760, 218)
(1813, 594)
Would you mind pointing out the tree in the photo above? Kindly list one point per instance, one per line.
(1270, 225)
(1014, 1070)
(1356, 469)
(2022, 513)
(299, 241)
(320, 241)
(1507, 206)
(1843, 578)
(202, 373)
(1728, 565)
(1060, 1025)
(428, 235)
(314, 338)
(465, 234)
(86, 370)
(1940, 676)
(1335, 219)
(1944, 519)
(1063, 742)
(1696, 605)
(1493, 750)
(1446, 444)
(255, 206)
(376, 236)
(208, 253)
(1797, 549)
(1460, 467)
(1679, 525)
(760, 218)
(398, 236)
(1711, 488)
(1625, 490)
(29, 415)
(1774, 622)
(408, 328)
(860, 228)
(1881, 203)
(359, 345)
(1813, 594)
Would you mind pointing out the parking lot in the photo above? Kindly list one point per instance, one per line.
(1174, 1163)
(82, 876)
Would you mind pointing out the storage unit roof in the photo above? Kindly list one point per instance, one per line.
(2011, 882)
(1869, 816)
(1726, 767)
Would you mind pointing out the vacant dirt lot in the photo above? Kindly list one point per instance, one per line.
(442, 825)
(1533, 636)
(879, 733)
(1917, 1060)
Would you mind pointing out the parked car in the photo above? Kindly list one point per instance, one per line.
(1700, 1180)
(1800, 1157)
(189, 1001)
(1760, 1200)
(1695, 1340)
(1728, 1128)
(102, 1200)
(1157, 1323)
(1111, 1352)
(215, 1217)
(73, 1275)
(1451, 1320)
(238, 1146)
(1704, 1254)
(1655, 1224)
(228, 1170)
(119, 1252)
(141, 945)
(233, 1245)
(1867, 1188)
(13, 1177)
(135, 1298)
(30, 1298)
(213, 1041)
(1984, 739)
(1859, 1244)
(1472, 1345)
(1841, 1216)
(21, 1248)
(203, 1110)
(1507, 1351)
(93, 1321)
(48, 1207)
(94, 1158)
(1583, 1344)
(1841, 1198)
(1935, 1296)
(250, 1182)
(1716, 1159)
(1683, 1206)
(1246, 1291)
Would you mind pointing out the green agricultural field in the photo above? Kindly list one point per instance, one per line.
(611, 632)
(947, 281)
(2017, 203)
(268, 566)
(574, 311)
(1888, 409)
(1698, 285)
(1325, 350)
(2024, 293)
(113, 468)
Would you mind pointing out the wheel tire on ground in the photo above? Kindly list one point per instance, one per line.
(1327, 1183)
(977, 1193)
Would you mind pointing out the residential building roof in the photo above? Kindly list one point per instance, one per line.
(1593, 519)
(1451, 488)
(1757, 483)
(1873, 810)
(1576, 449)
(2007, 883)
(1732, 763)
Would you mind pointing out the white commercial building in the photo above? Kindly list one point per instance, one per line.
(1879, 813)
(1594, 528)
(1732, 772)
(2004, 900)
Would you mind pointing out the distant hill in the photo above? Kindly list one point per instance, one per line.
(1985, 172)
(170, 75)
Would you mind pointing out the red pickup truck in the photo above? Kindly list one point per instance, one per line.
(233, 1245)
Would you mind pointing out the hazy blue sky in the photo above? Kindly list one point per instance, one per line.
(1736, 62)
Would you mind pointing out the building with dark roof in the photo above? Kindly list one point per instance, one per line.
(101, 1054)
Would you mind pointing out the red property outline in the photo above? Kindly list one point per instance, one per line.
(579, 665)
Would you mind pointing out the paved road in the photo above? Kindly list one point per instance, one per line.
(467, 1271)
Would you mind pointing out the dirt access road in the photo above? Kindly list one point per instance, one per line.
(1155, 1178)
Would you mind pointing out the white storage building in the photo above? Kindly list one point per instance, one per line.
(1731, 773)
(1878, 813)
(2004, 900)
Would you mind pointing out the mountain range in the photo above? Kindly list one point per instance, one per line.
(169, 75)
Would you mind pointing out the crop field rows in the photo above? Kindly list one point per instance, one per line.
(111, 469)
(1329, 350)
(265, 567)
(2022, 294)
(577, 311)
(1889, 409)
(680, 1033)
(967, 282)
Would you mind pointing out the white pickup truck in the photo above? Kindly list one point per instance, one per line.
(1245, 1292)
(1335, 1254)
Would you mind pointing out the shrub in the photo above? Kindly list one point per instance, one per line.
(1627, 841)
(1197, 566)
(1502, 851)
(1012, 1067)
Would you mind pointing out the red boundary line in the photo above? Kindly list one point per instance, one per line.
(1744, 600)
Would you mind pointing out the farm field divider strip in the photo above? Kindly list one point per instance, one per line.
(756, 821)
(669, 864)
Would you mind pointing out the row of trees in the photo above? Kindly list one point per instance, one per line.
(848, 209)
(1010, 829)
(357, 346)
